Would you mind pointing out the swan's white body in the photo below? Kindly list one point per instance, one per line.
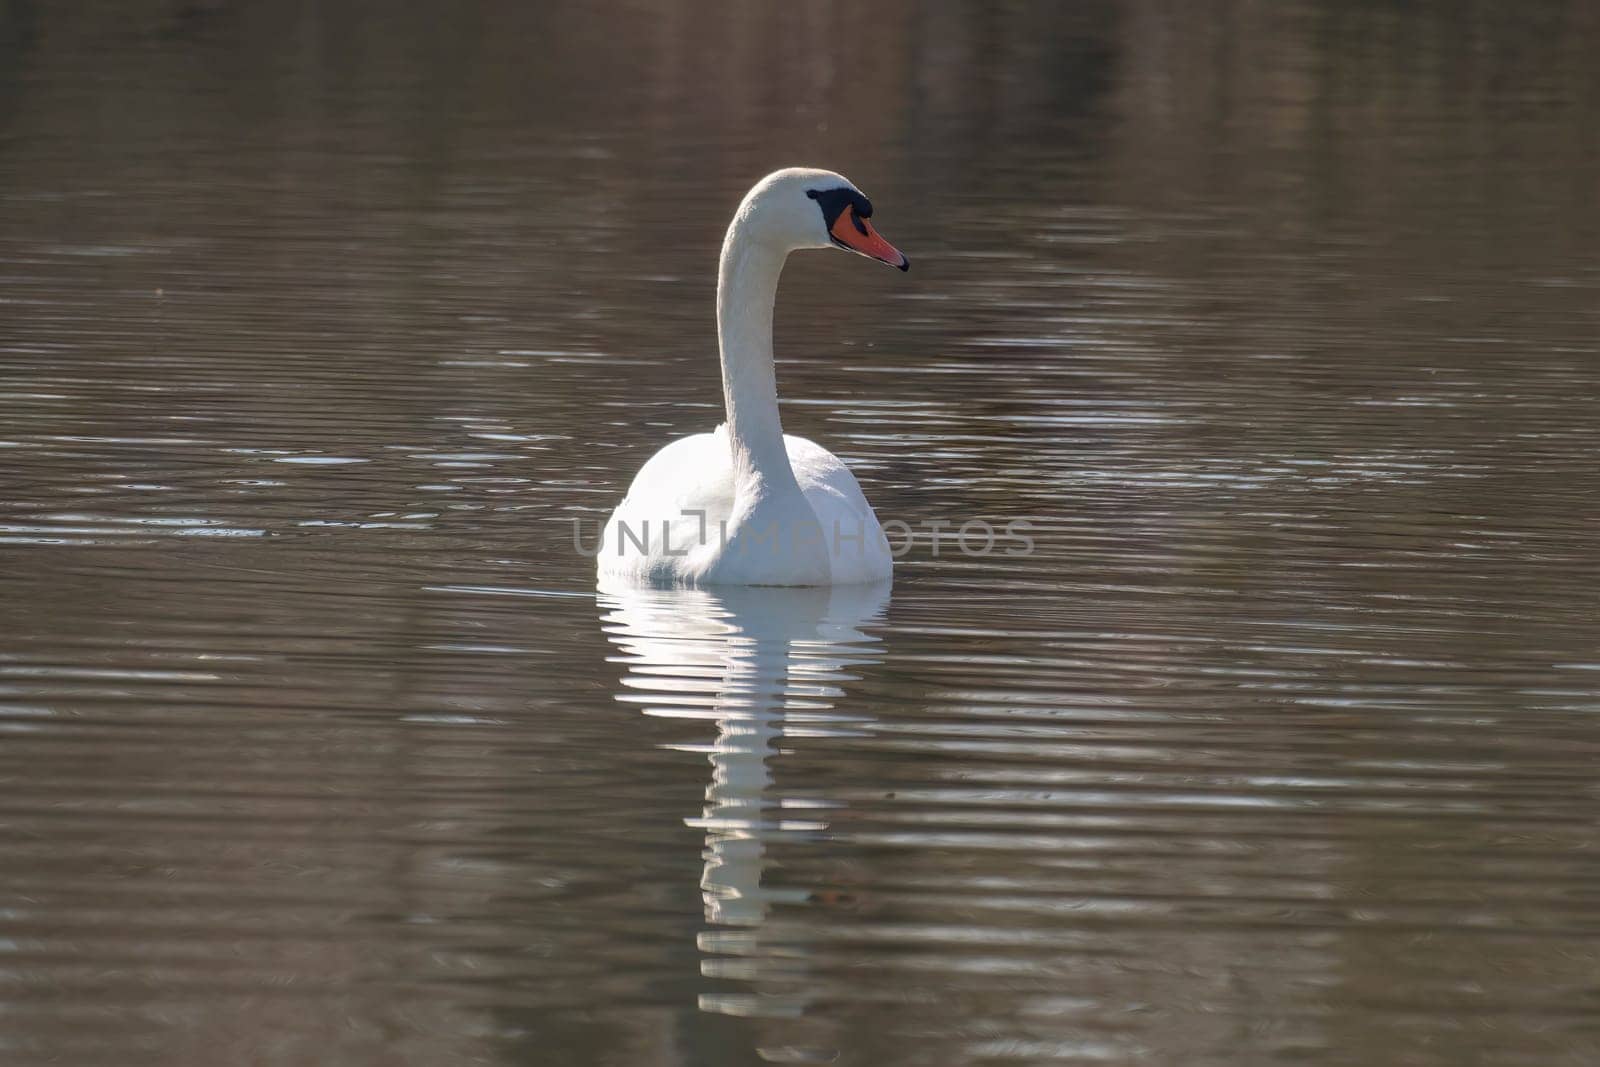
(748, 504)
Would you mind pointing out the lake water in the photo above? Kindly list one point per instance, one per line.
(321, 324)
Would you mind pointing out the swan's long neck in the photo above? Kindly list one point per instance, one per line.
(747, 285)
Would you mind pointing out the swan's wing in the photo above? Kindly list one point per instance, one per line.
(826, 482)
(690, 472)
(690, 476)
(858, 550)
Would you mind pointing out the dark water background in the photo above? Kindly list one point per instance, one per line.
(320, 322)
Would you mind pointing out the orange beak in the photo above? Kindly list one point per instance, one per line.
(857, 234)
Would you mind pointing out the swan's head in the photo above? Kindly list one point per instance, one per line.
(804, 208)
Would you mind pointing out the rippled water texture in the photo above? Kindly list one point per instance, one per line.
(321, 323)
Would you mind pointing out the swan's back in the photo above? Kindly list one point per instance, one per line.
(694, 477)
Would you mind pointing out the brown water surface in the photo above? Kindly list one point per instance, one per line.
(320, 323)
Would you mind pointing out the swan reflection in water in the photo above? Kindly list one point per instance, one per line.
(763, 664)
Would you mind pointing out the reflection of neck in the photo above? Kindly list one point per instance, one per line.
(747, 285)
(750, 707)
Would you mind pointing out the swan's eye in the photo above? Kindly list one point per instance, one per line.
(833, 202)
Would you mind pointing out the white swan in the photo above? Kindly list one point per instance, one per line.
(748, 504)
